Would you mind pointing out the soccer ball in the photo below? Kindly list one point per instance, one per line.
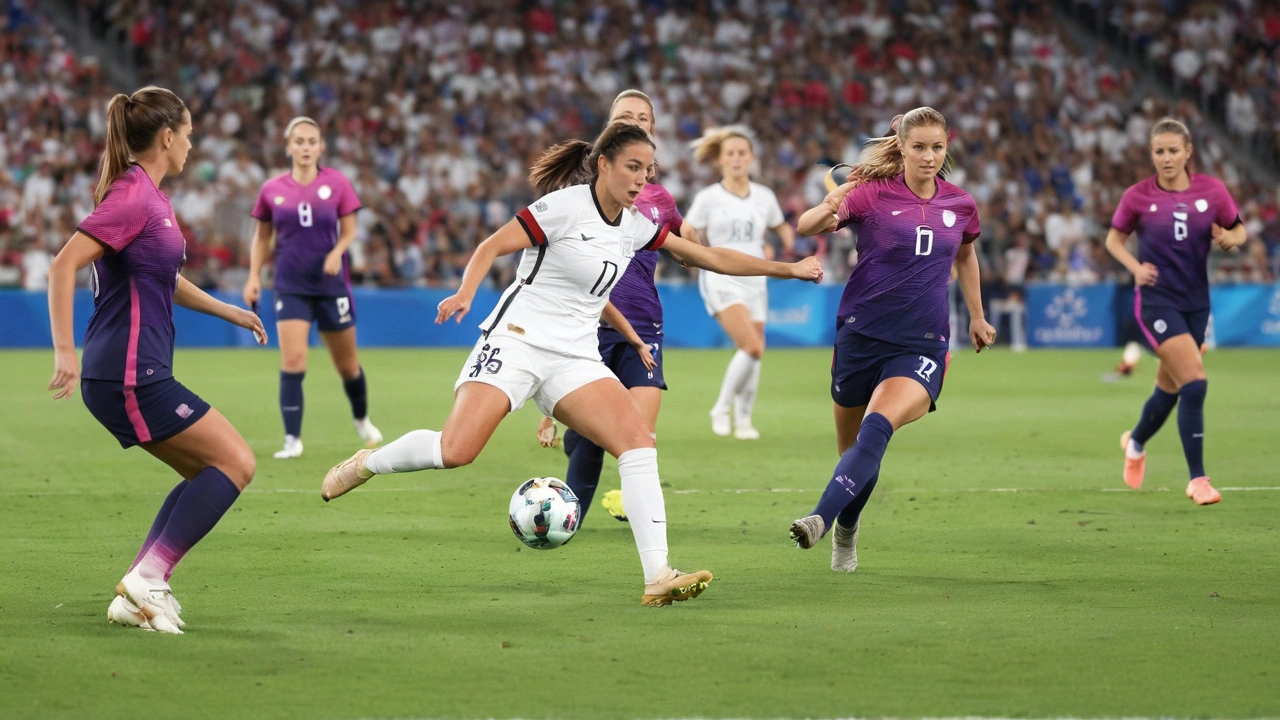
(544, 513)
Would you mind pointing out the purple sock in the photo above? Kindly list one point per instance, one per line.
(162, 517)
(848, 517)
(1191, 424)
(197, 510)
(358, 395)
(291, 402)
(857, 468)
(1154, 413)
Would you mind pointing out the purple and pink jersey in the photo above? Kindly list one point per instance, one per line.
(636, 295)
(906, 247)
(1175, 232)
(130, 335)
(305, 218)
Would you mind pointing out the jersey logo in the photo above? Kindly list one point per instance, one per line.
(540, 206)
(585, 238)
(278, 200)
(948, 218)
(654, 212)
(1153, 207)
(1160, 326)
(1202, 204)
(183, 411)
(324, 192)
(896, 213)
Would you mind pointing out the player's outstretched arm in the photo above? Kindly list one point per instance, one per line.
(508, 239)
(614, 318)
(79, 251)
(731, 262)
(193, 298)
(1143, 273)
(258, 253)
(966, 268)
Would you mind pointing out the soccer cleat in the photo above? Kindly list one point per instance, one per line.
(844, 547)
(123, 612)
(674, 586)
(720, 423)
(150, 599)
(1134, 468)
(368, 433)
(173, 610)
(1202, 493)
(346, 476)
(292, 448)
(807, 531)
(612, 503)
(745, 431)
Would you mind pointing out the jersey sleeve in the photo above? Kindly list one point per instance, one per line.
(974, 228)
(773, 212)
(652, 236)
(699, 212)
(547, 218)
(1227, 212)
(857, 205)
(348, 201)
(118, 219)
(261, 209)
(1125, 218)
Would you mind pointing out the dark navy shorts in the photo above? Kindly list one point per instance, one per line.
(331, 314)
(624, 360)
(148, 414)
(1161, 323)
(860, 363)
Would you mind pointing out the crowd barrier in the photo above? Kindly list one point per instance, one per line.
(800, 315)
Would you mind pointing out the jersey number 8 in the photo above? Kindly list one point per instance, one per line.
(304, 214)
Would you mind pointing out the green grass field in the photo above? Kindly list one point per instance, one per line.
(1005, 569)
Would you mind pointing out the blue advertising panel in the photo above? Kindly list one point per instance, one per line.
(1071, 316)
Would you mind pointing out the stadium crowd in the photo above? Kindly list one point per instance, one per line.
(436, 114)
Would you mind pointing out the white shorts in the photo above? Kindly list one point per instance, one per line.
(722, 291)
(522, 371)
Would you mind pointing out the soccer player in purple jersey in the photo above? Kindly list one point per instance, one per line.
(735, 213)
(636, 297)
(1177, 215)
(541, 342)
(135, 246)
(891, 343)
(311, 213)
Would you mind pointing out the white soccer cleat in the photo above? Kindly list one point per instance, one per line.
(371, 436)
(346, 476)
(151, 599)
(807, 531)
(844, 547)
(173, 610)
(123, 612)
(292, 448)
(744, 430)
(720, 423)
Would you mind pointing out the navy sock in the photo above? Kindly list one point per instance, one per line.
(209, 495)
(856, 468)
(162, 517)
(1191, 424)
(585, 463)
(1154, 413)
(848, 517)
(291, 402)
(358, 394)
(570, 441)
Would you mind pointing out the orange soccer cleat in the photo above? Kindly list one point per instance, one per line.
(1134, 468)
(1202, 493)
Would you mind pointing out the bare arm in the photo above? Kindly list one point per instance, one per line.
(191, 297)
(346, 235)
(258, 253)
(787, 234)
(79, 251)
(689, 232)
(1143, 273)
(614, 318)
(732, 262)
(1229, 239)
(823, 217)
(966, 268)
(509, 238)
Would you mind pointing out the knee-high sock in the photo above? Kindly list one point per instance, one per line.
(162, 517)
(735, 376)
(1154, 413)
(856, 468)
(848, 517)
(358, 394)
(745, 401)
(585, 464)
(570, 441)
(1191, 424)
(646, 510)
(416, 450)
(196, 511)
(291, 402)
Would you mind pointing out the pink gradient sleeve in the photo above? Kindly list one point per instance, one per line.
(1125, 218)
(348, 202)
(857, 204)
(261, 209)
(974, 228)
(1226, 207)
(118, 219)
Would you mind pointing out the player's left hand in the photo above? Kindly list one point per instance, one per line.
(1221, 237)
(982, 334)
(807, 269)
(450, 306)
(333, 263)
(646, 355)
(249, 320)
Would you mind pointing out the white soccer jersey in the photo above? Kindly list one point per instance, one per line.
(727, 220)
(564, 280)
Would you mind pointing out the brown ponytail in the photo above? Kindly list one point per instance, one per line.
(133, 121)
(576, 162)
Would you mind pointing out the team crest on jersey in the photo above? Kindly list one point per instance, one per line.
(654, 212)
(1202, 205)
(324, 192)
(540, 206)
(948, 218)
(1153, 207)
(279, 200)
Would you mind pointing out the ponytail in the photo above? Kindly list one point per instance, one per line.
(882, 157)
(115, 157)
(133, 121)
(576, 162)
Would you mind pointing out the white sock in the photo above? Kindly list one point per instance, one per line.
(646, 511)
(1134, 450)
(418, 450)
(745, 401)
(735, 376)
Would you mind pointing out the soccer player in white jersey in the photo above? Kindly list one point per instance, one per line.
(540, 341)
(734, 213)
